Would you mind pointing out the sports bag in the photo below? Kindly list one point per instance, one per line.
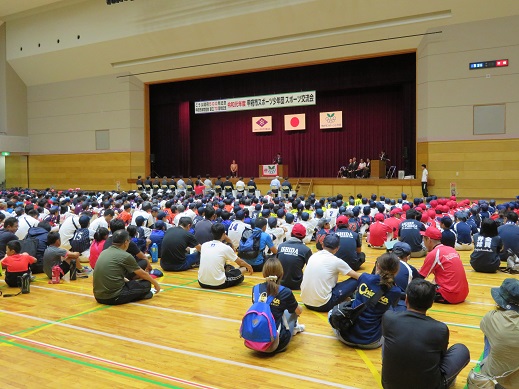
(81, 240)
(477, 380)
(344, 316)
(512, 263)
(249, 247)
(258, 326)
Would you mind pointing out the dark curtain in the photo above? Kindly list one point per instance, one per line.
(376, 96)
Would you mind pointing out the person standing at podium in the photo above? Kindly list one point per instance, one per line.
(277, 159)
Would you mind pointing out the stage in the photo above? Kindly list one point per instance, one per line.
(325, 187)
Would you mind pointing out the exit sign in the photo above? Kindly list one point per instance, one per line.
(498, 63)
(5, 153)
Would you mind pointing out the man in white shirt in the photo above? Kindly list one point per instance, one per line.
(240, 186)
(67, 230)
(320, 290)
(275, 184)
(236, 229)
(216, 263)
(425, 175)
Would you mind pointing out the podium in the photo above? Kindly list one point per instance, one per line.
(378, 169)
(282, 171)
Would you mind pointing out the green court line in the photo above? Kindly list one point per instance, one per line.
(100, 308)
(455, 313)
(91, 365)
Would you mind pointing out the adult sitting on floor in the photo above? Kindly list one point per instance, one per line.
(320, 290)
(142, 261)
(293, 255)
(177, 240)
(501, 327)
(113, 266)
(445, 263)
(421, 360)
(216, 263)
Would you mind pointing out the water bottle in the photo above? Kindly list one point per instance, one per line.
(56, 275)
(73, 270)
(154, 252)
(25, 283)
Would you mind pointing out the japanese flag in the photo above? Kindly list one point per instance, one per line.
(295, 122)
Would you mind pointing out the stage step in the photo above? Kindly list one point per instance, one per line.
(304, 186)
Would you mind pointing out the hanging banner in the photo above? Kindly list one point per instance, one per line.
(330, 120)
(270, 170)
(256, 102)
(295, 122)
(262, 124)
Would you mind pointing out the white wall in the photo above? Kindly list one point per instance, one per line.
(447, 90)
(64, 116)
(2, 169)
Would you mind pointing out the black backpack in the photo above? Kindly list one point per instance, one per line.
(81, 240)
(249, 247)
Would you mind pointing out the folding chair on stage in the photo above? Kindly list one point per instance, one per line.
(391, 172)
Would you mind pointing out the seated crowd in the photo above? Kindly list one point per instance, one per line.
(228, 238)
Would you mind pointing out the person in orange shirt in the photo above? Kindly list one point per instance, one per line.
(16, 264)
(125, 215)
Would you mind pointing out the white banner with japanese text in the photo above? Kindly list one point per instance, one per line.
(256, 102)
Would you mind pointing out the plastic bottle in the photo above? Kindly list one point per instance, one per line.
(56, 275)
(154, 250)
(25, 283)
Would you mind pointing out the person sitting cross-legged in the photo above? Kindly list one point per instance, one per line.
(113, 267)
(216, 263)
(415, 352)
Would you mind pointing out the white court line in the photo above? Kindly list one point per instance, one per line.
(180, 351)
(107, 361)
(187, 313)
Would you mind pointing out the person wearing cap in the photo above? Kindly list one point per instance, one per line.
(277, 234)
(416, 351)
(323, 229)
(350, 250)
(293, 255)
(217, 263)
(409, 232)
(406, 273)
(485, 257)
(320, 290)
(265, 244)
(379, 232)
(463, 233)
(509, 233)
(445, 264)
(394, 221)
(500, 327)
(113, 267)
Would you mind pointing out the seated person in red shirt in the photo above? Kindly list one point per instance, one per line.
(445, 263)
(379, 233)
(16, 264)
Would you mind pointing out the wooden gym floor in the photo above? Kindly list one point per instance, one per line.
(187, 337)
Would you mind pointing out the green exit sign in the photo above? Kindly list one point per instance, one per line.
(5, 153)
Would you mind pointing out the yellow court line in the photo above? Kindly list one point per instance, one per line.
(363, 356)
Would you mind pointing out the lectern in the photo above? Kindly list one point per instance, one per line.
(378, 169)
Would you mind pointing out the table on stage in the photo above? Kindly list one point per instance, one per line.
(273, 170)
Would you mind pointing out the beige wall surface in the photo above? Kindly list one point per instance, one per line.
(447, 90)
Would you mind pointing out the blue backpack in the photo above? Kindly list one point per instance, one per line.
(258, 326)
(249, 247)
